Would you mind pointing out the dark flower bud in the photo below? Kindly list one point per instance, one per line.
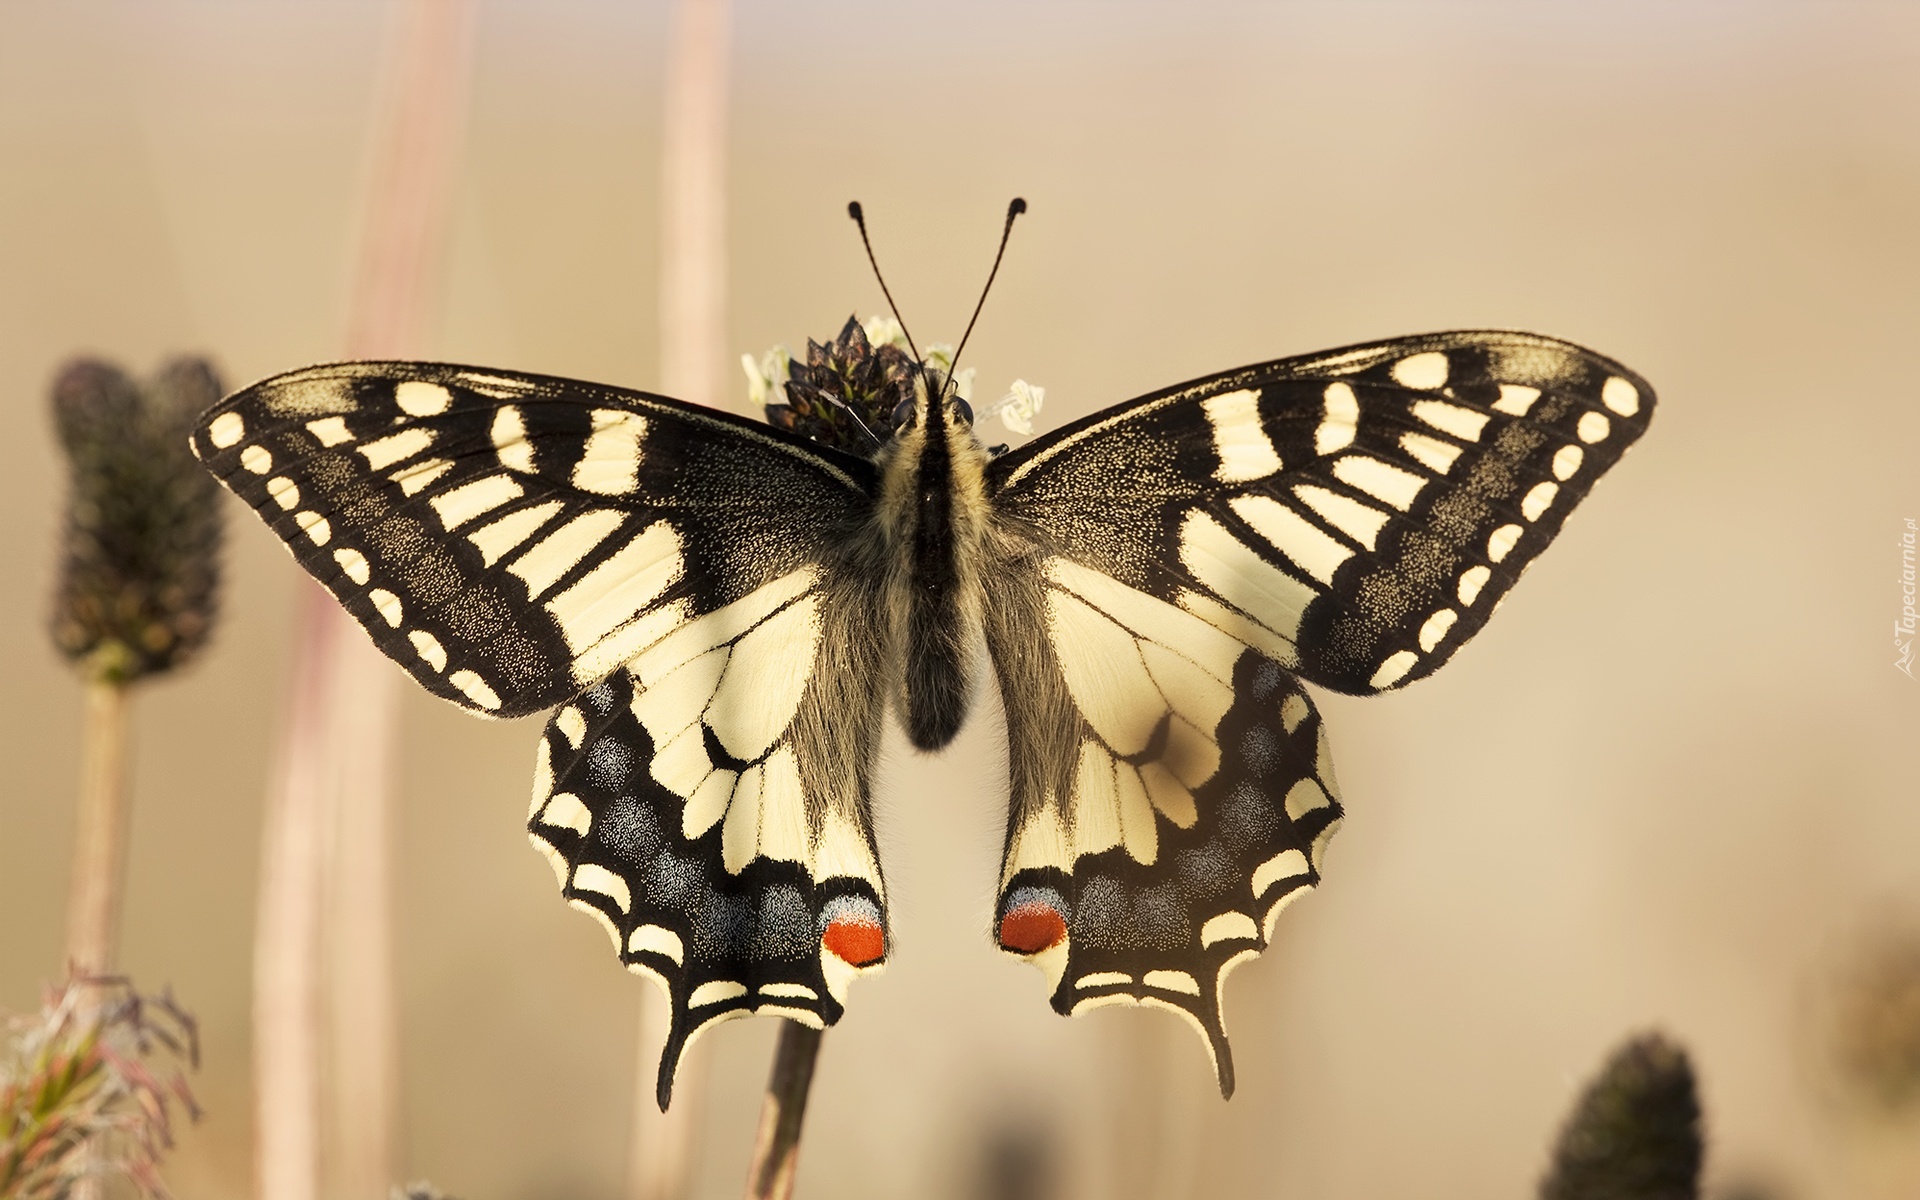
(845, 392)
(1635, 1134)
(139, 576)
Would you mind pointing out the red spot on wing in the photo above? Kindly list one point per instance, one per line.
(856, 940)
(1032, 927)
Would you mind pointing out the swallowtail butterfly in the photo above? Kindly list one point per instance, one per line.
(724, 612)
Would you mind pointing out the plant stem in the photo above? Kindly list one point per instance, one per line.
(100, 842)
(776, 1151)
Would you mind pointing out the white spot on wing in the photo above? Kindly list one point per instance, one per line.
(611, 462)
(1244, 449)
(418, 398)
(542, 565)
(1361, 522)
(495, 540)
(715, 991)
(475, 689)
(1593, 427)
(428, 648)
(457, 506)
(1471, 581)
(1227, 925)
(1394, 669)
(285, 492)
(387, 605)
(1426, 371)
(1172, 981)
(1315, 551)
(1288, 864)
(1241, 577)
(741, 832)
(394, 448)
(592, 877)
(1502, 541)
(783, 809)
(415, 477)
(1382, 481)
(1538, 499)
(566, 812)
(1432, 453)
(1566, 461)
(354, 564)
(510, 440)
(1620, 396)
(1137, 830)
(1515, 399)
(654, 939)
(1094, 979)
(571, 724)
(1293, 710)
(226, 430)
(1463, 423)
(1436, 627)
(256, 459)
(618, 588)
(315, 525)
(707, 800)
(1304, 797)
(330, 431)
(1341, 417)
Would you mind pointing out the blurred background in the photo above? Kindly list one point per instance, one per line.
(1676, 785)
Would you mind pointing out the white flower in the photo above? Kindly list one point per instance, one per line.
(767, 379)
(1020, 405)
(882, 330)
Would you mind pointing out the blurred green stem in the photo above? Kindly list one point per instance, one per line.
(100, 842)
(776, 1151)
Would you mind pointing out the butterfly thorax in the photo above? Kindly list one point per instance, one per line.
(933, 522)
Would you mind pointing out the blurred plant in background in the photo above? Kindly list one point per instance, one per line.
(87, 1089)
(138, 591)
(1635, 1132)
(1876, 1023)
(139, 572)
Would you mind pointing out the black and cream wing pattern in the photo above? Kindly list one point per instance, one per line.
(1177, 565)
(659, 571)
(722, 614)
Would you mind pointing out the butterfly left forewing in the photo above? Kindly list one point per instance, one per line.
(509, 539)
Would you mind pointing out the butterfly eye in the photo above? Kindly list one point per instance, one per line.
(903, 414)
(963, 410)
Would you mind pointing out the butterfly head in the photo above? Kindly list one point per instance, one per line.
(921, 409)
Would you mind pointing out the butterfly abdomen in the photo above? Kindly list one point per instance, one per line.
(933, 512)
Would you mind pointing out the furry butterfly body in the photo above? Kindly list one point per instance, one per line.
(724, 612)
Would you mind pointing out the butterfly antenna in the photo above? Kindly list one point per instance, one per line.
(860, 219)
(848, 409)
(1013, 210)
